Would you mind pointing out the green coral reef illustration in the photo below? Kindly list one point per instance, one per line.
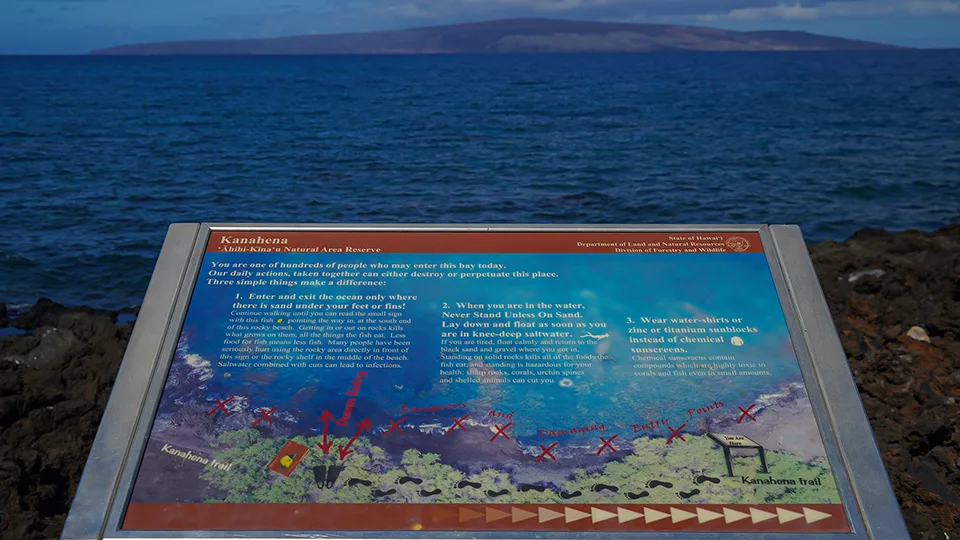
(693, 471)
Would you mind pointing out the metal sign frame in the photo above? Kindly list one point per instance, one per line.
(864, 486)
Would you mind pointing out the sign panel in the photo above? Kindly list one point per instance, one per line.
(734, 440)
(485, 381)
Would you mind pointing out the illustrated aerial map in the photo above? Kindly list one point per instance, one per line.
(485, 381)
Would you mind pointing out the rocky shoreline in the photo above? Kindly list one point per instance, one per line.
(895, 298)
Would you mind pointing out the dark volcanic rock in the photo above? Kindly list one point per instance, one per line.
(46, 312)
(879, 286)
(49, 413)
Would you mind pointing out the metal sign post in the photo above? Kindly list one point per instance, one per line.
(453, 381)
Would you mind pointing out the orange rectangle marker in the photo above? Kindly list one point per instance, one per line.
(288, 458)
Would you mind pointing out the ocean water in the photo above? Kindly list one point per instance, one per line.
(99, 154)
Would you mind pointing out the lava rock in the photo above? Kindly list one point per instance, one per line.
(54, 384)
(908, 384)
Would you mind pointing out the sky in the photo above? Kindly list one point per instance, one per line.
(77, 26)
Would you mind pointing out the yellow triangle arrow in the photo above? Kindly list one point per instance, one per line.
(624, 515)
(732, 516)
(704, 515)
(520, 515)
(493, 514)
(758, 516)
(814, 516)
(650, 515)
(786, 516)
(466, 514)
(677, 515)
(597, 515)
(575, 515)
(548, 515)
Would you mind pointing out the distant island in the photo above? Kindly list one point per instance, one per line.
(511, 36)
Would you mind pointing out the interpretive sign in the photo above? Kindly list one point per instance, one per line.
(360, 381)
(728, 442)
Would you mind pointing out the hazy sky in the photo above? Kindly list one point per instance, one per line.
(76, 26)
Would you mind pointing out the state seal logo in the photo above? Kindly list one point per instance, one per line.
(738, 243)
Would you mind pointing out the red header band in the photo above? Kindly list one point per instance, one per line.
(359, 242)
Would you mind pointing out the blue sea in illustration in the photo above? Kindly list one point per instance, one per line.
(607, 391)
(98, 155)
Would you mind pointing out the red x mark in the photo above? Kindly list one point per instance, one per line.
(394, 426)
(456, 423)
(265, 415)
(746, 413)
(221, 405)
(546, 452)
(606, 444)
(675, 433)
(500, 431)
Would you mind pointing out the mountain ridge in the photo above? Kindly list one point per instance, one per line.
(510, 36)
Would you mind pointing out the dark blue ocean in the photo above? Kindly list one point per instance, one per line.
(99, 154)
